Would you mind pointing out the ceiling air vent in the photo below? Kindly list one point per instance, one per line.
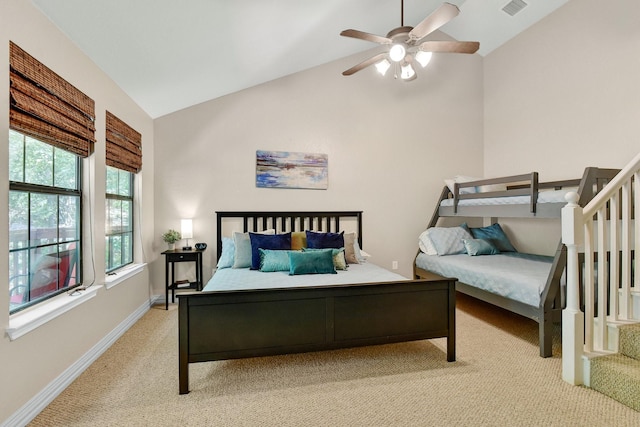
(514, 6)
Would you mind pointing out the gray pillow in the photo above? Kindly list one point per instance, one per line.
(448, 240)
(242, 254)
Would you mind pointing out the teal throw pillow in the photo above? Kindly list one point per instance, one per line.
(495, 235)
(339, 258)
(274, 260)
(316, 262)
(479, 247)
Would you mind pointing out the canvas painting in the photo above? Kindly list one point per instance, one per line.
(283, 169)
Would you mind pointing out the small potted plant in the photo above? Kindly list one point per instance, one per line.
(171, 237)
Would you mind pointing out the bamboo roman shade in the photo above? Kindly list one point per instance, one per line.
(124, 145)
(47, 107)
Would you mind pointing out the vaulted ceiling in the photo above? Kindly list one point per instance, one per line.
(169, 54)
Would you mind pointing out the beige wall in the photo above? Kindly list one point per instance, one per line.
(34, 360)
(390, 145)
(565, 95)
(562, 96)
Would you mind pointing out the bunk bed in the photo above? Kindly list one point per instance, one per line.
(251, 317)
(527, 284)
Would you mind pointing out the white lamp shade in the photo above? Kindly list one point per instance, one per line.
(423, 58)
(407, 72)
(383, 66)
(186, 228)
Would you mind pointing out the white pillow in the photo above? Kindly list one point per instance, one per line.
(448, 240)
(460, 179)
(362, 255)
(425, 244)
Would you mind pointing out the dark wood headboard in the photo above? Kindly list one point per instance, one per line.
(282, 222)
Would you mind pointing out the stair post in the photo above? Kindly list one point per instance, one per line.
(572, 316)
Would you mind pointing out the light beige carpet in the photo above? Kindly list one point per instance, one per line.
(498, 380)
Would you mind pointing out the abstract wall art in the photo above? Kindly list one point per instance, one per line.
(284, 169)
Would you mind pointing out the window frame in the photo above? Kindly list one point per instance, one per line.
(129, 198)
(40, 189)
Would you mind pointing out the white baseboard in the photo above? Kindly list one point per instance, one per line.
(157, 299)
(40, 401)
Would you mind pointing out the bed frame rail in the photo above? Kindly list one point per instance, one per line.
(514, 185)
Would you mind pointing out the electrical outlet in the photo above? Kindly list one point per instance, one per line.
(394, 265)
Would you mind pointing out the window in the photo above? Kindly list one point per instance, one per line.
(44, 220)
(119, 219)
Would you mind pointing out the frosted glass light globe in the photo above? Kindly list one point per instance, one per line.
(397, 52)
(423, 58)
(407, 72)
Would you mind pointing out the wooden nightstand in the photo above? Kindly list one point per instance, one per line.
(179, 255)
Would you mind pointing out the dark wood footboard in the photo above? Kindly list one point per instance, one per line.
(239, 324)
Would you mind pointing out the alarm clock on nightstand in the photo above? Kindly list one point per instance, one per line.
(201, 246)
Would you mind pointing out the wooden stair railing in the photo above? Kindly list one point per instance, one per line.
(603, 284)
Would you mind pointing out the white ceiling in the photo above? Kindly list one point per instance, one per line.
(169, 54)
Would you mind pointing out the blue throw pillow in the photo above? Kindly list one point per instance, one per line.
(314, 262)
(494, 235)
(317, 240)
(228, 248)
(479, 247)
(267, 241)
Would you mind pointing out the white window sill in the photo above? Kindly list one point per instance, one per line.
(123, 274)
(26, 321)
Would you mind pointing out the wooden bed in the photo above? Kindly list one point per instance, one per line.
(551, 298)
(238, 324)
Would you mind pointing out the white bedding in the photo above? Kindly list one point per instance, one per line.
(556, 196)
(243, 278)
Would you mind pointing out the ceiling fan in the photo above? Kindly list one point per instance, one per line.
(405, 44)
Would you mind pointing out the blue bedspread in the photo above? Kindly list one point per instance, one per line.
(243, 278)
(517, 276)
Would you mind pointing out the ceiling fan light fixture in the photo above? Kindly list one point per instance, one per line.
(397, 52)
(404, 44)
(383, 66)
(407, 72)
(423, 57)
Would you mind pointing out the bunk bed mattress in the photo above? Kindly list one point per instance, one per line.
(516, 276)
(555, 196)
(232, 279)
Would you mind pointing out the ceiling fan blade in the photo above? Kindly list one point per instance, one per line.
(364, 64)
(437, 19)
(365, 36)
(450, 46)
